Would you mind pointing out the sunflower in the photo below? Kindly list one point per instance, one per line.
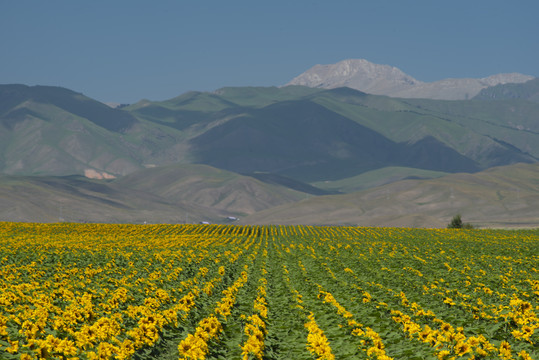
(462, 348)
(505, 349)
(443, 354)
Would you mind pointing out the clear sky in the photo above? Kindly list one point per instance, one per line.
(124, 51)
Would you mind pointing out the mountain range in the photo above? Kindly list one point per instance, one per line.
(363, 75)
(292, 154)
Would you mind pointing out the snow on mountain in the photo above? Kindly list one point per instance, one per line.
(377, 79)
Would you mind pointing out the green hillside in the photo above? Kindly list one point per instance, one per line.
(296, 133)
(494, 133)
(306, 141)
(528, 90)
(258, 97)
(47, 130)
(15, 101)
(54, 131)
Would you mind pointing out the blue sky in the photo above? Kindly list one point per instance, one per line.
(124, 51)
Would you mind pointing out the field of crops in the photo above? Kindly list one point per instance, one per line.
(96, 291)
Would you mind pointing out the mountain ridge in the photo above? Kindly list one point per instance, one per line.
(387, 80)
(528, 91)
(48, 137)
(295, 146)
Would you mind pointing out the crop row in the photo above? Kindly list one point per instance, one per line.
(101, 291)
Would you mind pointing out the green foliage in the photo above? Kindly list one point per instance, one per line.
(528, 90)
(456, 223)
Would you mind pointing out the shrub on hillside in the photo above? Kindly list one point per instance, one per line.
(456, 223)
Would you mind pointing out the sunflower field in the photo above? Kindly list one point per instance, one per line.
(102, 291)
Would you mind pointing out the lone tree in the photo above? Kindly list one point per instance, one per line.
(456, 223)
